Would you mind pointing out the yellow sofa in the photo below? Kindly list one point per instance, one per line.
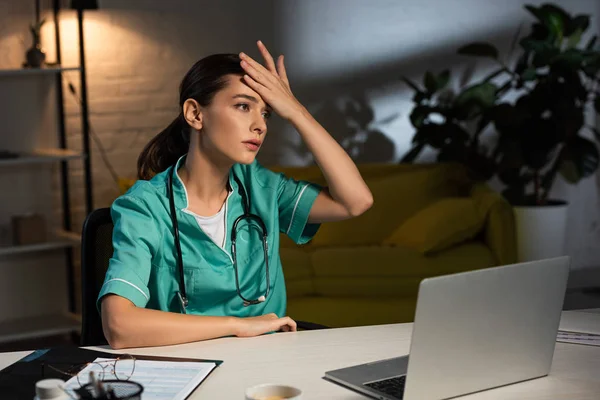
(427, 220)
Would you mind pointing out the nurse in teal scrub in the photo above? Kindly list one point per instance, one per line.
(215, 274)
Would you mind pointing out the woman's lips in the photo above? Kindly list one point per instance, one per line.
(252, 145)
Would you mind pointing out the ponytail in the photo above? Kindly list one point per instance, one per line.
(164, 149)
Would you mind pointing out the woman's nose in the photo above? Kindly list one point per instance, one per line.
(259, 125)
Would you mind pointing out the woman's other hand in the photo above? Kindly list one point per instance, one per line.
(254, 326)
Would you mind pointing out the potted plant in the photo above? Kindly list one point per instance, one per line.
(35, 56)
(542, 133)
(541, 129)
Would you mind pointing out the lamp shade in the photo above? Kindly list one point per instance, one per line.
(84, 4)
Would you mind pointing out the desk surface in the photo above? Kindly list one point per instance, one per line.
(300, 359)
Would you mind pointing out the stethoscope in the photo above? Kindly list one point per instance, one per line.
(247, 215)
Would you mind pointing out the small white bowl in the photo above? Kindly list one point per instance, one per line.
(269, 391)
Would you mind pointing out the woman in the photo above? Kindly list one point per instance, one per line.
(207, 273)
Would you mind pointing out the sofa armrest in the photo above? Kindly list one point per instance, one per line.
(499, 227)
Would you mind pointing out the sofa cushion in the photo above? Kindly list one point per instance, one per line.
(376, 271)
(442, 224)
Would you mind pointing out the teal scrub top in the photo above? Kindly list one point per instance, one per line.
(143, 266)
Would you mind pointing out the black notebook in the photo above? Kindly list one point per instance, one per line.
(17, 381)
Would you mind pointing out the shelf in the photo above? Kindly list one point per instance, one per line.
(62, 240)
(41, 156)
(36, 327)
(33, 248)
(74, 238)
(35, 71)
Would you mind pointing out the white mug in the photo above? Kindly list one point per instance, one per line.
(269, 391)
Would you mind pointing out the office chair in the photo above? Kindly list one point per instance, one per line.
(96, 251)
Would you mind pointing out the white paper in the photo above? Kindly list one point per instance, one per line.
(578, 338)
(162, 380)
(584, 321)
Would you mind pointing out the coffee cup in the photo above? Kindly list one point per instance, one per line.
(270, 391)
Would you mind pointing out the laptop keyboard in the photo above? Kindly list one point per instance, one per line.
(392, 386)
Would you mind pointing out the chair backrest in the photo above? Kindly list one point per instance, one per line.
(96, 251)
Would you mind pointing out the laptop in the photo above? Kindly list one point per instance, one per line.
(473, 331)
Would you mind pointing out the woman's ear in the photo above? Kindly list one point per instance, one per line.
(192, 112)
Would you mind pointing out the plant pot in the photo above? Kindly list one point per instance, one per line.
(35, 57)
(541, 230)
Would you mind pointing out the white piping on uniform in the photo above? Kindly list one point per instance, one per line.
(129, 283)
(295, 207)
(184, 188)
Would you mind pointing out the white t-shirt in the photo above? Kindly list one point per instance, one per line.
(214, 226)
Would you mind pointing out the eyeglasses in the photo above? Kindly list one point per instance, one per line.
(121, 368)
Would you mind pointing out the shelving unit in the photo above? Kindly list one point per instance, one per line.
(41, 156)
(39, 270)
(36, 71)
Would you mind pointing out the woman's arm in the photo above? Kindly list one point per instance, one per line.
(347, 195)
(126, 325)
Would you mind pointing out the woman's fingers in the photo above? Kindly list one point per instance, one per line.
(286, 324)
(255, 74)
(260, 89)
(282, 72)
(256, 70)
(267, 56)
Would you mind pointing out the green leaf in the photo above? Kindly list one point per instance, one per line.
(591, 43)
(555, 18)
(545, 57)
(529, 74)
(429, 82)
(442, 79)
(569, 172)
(579, 23)
(583, 153)
(418, 116)
(475, 99)
(574, 39)
(532, 45)
(411, 84)
(419, 97)
(479, 49)
(572, 58)
(446, 97)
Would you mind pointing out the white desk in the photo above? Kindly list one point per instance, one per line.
(301, 358)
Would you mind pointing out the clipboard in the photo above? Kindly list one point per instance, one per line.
(17, 381)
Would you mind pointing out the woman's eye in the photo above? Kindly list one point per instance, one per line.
(266, 115)
(243, 106)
